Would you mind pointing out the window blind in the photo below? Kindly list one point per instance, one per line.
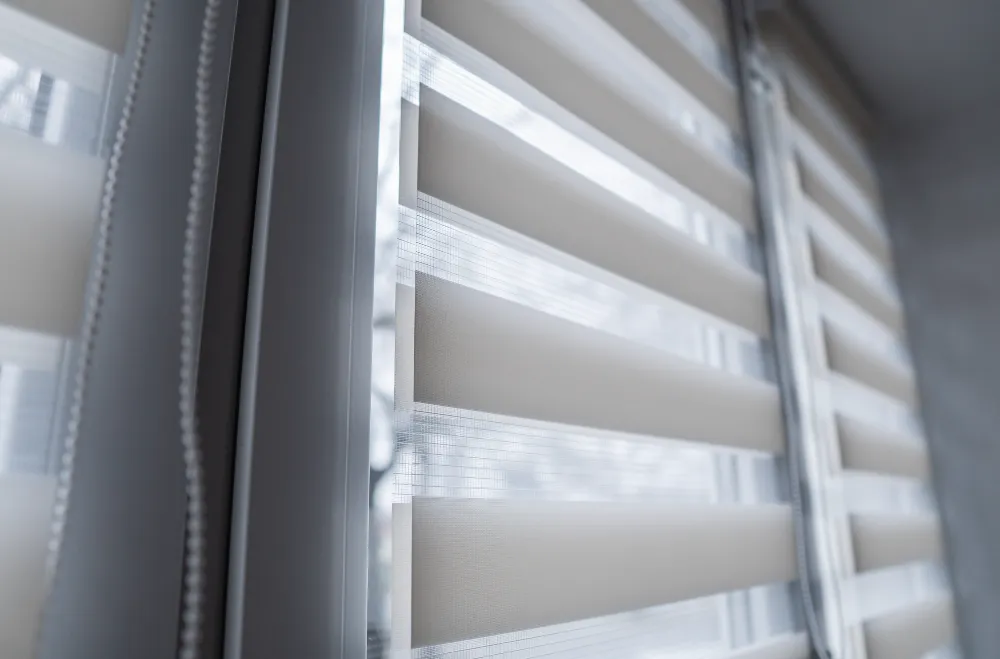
(866, 388)
(913, 631)
(586, 416)
(55, 63)
(45, 260)
(101, 22)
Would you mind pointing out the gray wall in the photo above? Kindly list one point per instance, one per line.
(941, 187)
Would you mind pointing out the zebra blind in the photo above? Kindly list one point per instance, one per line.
(587, 429)
(872, 445)
(55, 64)
(103, 23)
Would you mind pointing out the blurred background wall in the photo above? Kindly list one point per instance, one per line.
(941, 190)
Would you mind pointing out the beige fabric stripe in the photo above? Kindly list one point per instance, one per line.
(912, 632)
(480, 352)
(486, 567)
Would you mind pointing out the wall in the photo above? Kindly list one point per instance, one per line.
(941, 189)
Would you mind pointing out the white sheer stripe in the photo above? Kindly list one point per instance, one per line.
(456, 71)
(29, 350)
(868, 492)
(878, 593)
(442, 240)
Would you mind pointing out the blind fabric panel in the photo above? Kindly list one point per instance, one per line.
(713, 16)
(873, 464)
(718, 94)
(842, 277)
(845, 279)
(25, 510)
(863, 330)
(866, 447)
(802, 104)
(45, 253)
(476, 351)
(818, 188)
(911, 632)
(833, 242)
(858, 360)
(486, 567)
(792, 646)
(55, 67)
(29, 41)
(29, 350)
(587, 421)
(468, 162)
(102, 22)
(509, 34)
(886, 540)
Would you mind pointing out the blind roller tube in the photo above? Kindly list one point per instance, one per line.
(102, 22)
(882, 541)
(912, 632)
(866, 448)
(486, 567)
(50, 199)
(25, 511)
(477, 351)
(466, 161)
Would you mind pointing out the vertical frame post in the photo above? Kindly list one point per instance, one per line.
(822, 536)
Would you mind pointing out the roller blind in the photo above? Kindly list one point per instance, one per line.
(55, 62)
(482, 568)
(588, 429)
(101, 22)
(867, 397)
(913, 631)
